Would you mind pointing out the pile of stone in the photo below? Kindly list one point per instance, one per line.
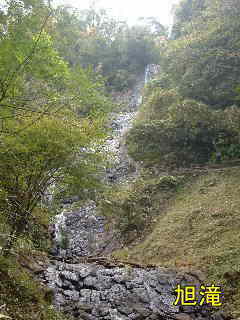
(92, 291)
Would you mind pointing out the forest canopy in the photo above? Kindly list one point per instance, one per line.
(58, 67)
(191, 111)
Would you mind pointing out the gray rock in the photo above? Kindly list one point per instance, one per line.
(101, 310)
(104, 293)
(69, 276)
(85, 271)
(125, 309)
(71, 295)
(89, 282)
(103, 283)
(96, 292)
(85, 296)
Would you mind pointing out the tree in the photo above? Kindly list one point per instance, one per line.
(23, 44)
(186, 132)
(93, 38)
(185, 13)
(45, 153)
(203, 61)
(50, 114)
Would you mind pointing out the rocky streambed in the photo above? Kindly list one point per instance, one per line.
(104, 289)
(81, 231)
(90, 287)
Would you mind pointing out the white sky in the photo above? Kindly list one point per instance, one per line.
(130, 9)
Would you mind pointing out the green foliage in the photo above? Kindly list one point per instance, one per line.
(203, 61)
(87, 94)
(189, 132)
(63, 242)
(161, 81)
(23, 296)
(131, 207)
(114, 50)
(185, 12)
(157, 102)
(50, 113)
(45, 152)
(178, 124)
(167, 182)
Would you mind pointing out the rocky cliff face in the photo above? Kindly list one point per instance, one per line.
(104, 289)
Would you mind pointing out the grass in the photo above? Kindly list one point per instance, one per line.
(131, 205)
(21, 296)
(190, 222)
(199, 230)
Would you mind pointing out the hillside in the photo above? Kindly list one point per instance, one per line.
(119, 162)
(198, 231)
(190, 119)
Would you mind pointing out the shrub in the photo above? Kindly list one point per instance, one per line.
(24, 297)
(135, 207)
(189, 133)
(167, 182)
(157, 102)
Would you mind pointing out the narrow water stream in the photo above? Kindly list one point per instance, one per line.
(80, 232)
(99, 290)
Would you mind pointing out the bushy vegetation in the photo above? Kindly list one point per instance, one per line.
(190, 112)
(197, 231)
(49, 113)
(131, 208)
(187, 132)
(21, 297)
(203, 60)
(57, 68)
(115, 50)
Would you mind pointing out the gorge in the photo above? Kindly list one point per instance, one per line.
(87, 283)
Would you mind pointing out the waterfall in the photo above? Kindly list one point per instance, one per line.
(59, 229)
(151, 71)
(79, 230)
(101, 288)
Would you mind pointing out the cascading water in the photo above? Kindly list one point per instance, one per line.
(151, 71)
(59, 232)
(81, 232)
(103, 291)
